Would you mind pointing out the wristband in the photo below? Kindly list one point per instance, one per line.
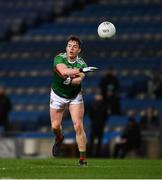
(81, 70)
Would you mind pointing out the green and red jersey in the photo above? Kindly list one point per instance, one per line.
(66, 91)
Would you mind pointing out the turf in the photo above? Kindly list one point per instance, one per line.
(68, 168)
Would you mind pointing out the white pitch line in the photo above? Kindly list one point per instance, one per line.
(62, 166)
(3, 168)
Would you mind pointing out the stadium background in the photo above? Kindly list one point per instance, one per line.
(32, 32)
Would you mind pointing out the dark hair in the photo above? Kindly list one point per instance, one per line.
(75, 38)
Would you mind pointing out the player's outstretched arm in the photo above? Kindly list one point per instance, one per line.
(65, 71)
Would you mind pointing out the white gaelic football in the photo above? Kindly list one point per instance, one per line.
(106, 30)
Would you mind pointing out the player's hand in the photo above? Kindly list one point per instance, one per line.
(88, 69)
(67, 81)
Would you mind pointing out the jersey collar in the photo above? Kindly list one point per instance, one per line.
(72, 62)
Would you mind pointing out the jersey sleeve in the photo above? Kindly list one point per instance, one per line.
(58, 60)
(84, 65)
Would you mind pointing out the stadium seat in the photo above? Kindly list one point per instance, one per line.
(110, 135)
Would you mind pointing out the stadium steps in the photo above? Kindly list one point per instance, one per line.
(136, 47)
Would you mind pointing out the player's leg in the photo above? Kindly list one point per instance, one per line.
(57, 105)
(77, 113)
(56, 119)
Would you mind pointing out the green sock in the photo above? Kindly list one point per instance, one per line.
(83, 155)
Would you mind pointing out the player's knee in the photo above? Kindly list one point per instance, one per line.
(78, 128)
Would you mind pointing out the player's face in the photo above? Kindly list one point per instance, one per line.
(72, 49)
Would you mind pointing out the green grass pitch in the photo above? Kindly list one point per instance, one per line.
(68, 168)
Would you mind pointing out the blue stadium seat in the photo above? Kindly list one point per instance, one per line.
(115, 121)
(110, 135)
(128, 103)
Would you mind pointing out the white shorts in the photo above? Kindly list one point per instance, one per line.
(58, 102)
